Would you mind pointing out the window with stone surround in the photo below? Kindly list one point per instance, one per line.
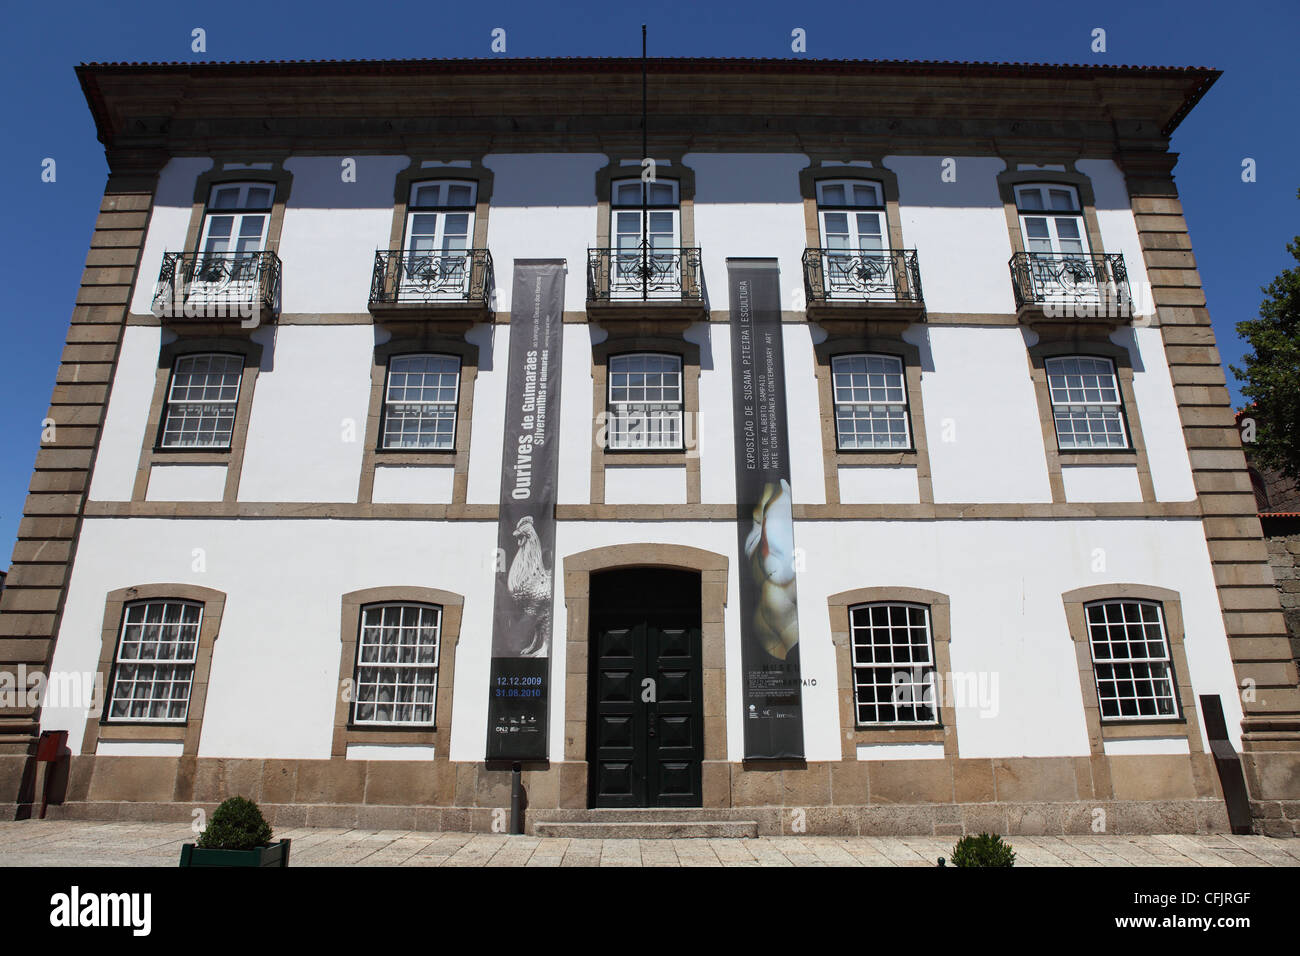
(154, 667)
(870, 402)
(396, 677)
(645, 402)
(202, 398)
(421, 395)
(1087, 407)
(1131, 660)
(893, 664)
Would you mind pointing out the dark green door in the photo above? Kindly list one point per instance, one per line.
(645, 715)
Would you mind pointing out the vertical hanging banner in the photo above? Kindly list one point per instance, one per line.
(769, 618)
(525, 564)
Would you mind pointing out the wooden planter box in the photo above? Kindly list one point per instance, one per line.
(277, 854)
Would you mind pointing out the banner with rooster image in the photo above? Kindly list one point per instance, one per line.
(525, 566)
(769, 615)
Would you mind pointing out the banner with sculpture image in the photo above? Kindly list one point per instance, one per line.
(525, 564)
(769, 616)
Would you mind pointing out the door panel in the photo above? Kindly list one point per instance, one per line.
(645, 698)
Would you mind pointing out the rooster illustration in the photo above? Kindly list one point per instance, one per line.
(529, 584)
(770, 549)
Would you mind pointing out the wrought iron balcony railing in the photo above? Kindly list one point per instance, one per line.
(844, 275)
(1071, 284)
(427, 278)
(644, 273)
(219, 285)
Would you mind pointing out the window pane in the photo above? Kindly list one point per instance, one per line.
(1030, 198)
(870, 401)
(420, 402)
(201, 401)
(397, 656)
(1062, 199)
(893, 664)
(460, 194)
(259, 197)
(833, 194)
(156, 653)
(1131, 660)
(645, 399)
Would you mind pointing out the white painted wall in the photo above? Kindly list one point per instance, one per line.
(308, 423)
(803, 414)
(645, 484)
(186, 483)
(543, 207)
(981, 395)
(332, 229)
(1101, 483)
(577, 412)
(959, 232)
(485, 437)
(715, 431)
(1157, 406)
(414, 484)
(127, 417)
(172, 205)
(878, 484)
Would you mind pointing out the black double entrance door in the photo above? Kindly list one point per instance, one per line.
(645, 710)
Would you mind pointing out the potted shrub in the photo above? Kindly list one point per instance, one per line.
(983, 850)
(237, 835)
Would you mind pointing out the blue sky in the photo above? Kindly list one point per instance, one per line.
(1239, 230)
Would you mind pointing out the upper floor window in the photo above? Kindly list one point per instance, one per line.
(659, 222)
(1051, 219)
(1086, 403)
(893, 664)
(439, 234)
(852, 216)
(201, 401)
(153, 668)
(236, 220)
(396, 676)
(1130, 657)
(870, 402)
(645, 401)
(420, 401)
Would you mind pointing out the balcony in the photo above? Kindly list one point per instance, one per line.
(432, 286)
(870, 286)
(1067, 289)
(645, 283)
(218, 287)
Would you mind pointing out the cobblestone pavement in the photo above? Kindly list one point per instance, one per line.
(68, 843)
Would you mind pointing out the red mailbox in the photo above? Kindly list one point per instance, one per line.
(51, 744)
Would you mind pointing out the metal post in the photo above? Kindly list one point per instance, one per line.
(516, 799)
(645, 190)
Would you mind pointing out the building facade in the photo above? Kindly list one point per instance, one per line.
(1027, 590)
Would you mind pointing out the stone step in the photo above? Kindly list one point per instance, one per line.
(643, 815)
(648, 829)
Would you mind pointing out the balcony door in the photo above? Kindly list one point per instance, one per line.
(439, 232)
(656, 270)
(855, 240)
(227, 267)
(1051, 224)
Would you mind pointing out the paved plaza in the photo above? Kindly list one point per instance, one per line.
(69, 843)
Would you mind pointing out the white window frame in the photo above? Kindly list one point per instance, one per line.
(1053, 218)
(241, 214)
(877, 408)
(224, 409)
(389, 673)
(625, 242)
(149, 634)
(1147, 628)
(910, 683)
(640, 424)
(1089, 395)
(444, 409)
(439, 271)
(857, 263)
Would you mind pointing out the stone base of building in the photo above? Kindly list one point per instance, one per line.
(950, 796)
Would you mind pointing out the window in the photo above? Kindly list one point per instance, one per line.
(645, 402)
(1130, 658)
(893, 664)
(396, 679)
(662, 221)
(855, 238)
(870, 402)
(1086, 404)
(234, 231)
(154, 666)
(201, 401)
(420, 401)
(1051, 219)
(439, 233)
